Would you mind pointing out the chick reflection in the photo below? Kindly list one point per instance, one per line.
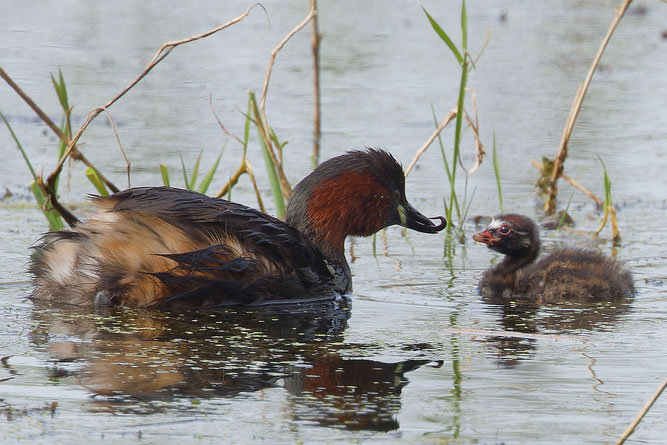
(351, 394)
(564, 318)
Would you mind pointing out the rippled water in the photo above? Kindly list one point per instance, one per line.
(415, 355)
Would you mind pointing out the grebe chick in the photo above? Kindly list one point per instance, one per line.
(574, 275)
(161, 246)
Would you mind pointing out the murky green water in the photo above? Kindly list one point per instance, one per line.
(416, 355)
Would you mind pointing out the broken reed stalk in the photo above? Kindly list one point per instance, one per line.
(550, 204)
(478, 142)
(574, 184)
(642, 413)
(316, 82)
(262, 122)
(429, 141)
(162, 53)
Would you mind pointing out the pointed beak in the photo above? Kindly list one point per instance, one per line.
(485, 237)
(413, 219)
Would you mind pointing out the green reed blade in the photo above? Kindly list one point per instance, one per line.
(96, 181)
(607, 185)
(195, 172)
(61, 89)
(496, 170)
(208, 177)
(165, 174)
(185, 173)
(464, 26)
(20, 147)
(276, 190)
(445, 38)
(561, 221)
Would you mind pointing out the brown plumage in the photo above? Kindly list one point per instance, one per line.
(160, 246)
(565, 275)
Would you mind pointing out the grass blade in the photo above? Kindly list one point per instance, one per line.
(607, 184)
(457, 140)
(185, 173)
(20, 147)
(561, 220)
(445, 38)
(165, 174)
(195, 172)
(496, 170)
(464, 26)
(61, 90)
(208, 177)
(276, 190)
(96, 181)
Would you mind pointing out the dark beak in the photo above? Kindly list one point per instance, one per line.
(412, 219)
(485, 237)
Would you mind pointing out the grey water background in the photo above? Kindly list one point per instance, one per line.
(411, 358)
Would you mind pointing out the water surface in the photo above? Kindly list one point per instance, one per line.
(415, 355)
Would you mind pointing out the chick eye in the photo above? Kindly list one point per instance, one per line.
(504, 229)
(397, 195)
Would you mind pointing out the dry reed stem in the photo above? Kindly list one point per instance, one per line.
(573, 183)
(34, 107)
(254, 186)
(443, 124)
(550, 205)
(51, 198)
(478, 142)
(222, 127)
(245, 166)
(316, 82)
(120, 145)
(162, 53)
(642, 413)
(49, 187)
(429, 141)
(264, 127)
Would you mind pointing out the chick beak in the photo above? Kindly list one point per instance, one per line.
(413, 219)
(485, 237)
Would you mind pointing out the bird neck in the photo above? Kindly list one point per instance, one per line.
(331, 209)
(511, 264)
(325, 235)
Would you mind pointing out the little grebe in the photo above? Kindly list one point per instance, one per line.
(161, 246)
(564, 275)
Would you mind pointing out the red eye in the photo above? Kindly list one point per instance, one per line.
(504, 229)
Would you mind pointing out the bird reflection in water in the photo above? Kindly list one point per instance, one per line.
(130, 358)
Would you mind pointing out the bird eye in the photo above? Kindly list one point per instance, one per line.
(397, 195)
(504, 229)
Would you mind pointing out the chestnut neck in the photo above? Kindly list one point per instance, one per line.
(351, 203)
